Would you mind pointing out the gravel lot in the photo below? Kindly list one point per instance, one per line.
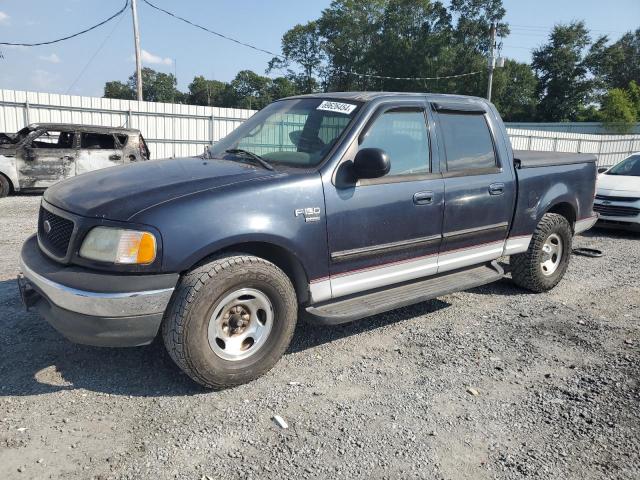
(556, 377)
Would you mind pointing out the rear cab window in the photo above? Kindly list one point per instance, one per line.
(467, 142)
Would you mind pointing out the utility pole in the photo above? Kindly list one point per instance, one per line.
(136, 38)
(492, 60)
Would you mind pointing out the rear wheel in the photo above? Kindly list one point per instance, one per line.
(230, 320)
(544, 264)
(5, 186)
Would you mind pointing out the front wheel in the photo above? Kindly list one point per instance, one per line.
(544, 264)
(230, 320)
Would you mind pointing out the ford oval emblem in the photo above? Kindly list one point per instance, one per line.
(47, 227)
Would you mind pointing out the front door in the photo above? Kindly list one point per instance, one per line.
(479, 190)
(387, 230)
(98, 150)
(47, 157)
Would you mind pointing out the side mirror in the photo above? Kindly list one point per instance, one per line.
(602, 169)
(371, 163)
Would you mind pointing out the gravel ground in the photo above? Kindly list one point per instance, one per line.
(489, 383)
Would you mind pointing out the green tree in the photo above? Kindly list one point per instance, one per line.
(564, 86)
(251, 90)
(282, 87)
(514, 91)
(301, 45)
(617, 64)
(633, 91)
(157, 86)
(474, 21)
(206, 92)
(117, 89)
(348, 29)
(617, 111)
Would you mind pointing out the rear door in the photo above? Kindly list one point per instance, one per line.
(386, 230)
(479, 187)
(98, 150)
(47, 157)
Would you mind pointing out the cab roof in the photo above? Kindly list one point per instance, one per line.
(82, 128)
(369, 96)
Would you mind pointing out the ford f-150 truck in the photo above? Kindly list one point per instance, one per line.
(331, 207)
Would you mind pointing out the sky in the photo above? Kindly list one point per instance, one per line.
(82, 65)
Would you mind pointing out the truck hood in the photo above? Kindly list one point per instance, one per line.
(621, 184)
(118, 193)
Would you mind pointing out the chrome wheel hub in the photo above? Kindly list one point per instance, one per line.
(551, 254)
(240, 324)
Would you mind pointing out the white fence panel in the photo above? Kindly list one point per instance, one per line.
(174, 130)
(171, 130)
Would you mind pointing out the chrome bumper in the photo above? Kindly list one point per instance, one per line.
(97, 304)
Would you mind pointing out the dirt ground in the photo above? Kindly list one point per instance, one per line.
(556, 377)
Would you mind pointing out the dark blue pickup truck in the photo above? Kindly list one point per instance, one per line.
(331, 207)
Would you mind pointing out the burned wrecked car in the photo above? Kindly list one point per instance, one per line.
(42, 154)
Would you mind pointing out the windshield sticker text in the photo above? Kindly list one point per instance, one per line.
(337, 107)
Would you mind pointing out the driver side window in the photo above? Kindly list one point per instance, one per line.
(402, 134)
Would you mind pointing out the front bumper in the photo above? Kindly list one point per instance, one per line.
(94, 308)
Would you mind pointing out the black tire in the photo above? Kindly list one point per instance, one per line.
(5, 186)
(526, 268)
(200, 292)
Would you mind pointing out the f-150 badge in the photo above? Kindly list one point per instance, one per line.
(311, 214)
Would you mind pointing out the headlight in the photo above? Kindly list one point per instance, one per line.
(117, 245)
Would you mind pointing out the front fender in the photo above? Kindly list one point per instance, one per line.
(197, 226)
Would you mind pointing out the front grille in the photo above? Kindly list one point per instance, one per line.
(615, 211)
(617, 199)
(58, 236)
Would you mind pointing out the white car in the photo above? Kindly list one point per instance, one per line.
(618, 195)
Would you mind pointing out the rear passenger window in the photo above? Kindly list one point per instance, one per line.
(98, 141)
(467, 141)
(403, 135)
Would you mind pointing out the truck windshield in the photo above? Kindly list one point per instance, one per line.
(629, 167)
(295, 133)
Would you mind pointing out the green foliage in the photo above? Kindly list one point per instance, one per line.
(514, 88)
(206, 92)
(157, 86)
(617, 111)
(117, 89)
(301, 45)
(564, 85)
(570, 78)
(617, 64)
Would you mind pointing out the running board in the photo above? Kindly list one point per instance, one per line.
(354, 307)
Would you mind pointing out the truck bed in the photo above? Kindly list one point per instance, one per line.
(534, 159)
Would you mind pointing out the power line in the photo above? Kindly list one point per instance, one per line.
(211, 31)
(119, 12)
(346, 72)
(84, 69)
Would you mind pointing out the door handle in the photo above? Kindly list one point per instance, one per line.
(115, 157)
(496, 189)
(423, 198)
(67, 157)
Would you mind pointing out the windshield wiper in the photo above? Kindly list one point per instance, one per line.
(254, 156)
